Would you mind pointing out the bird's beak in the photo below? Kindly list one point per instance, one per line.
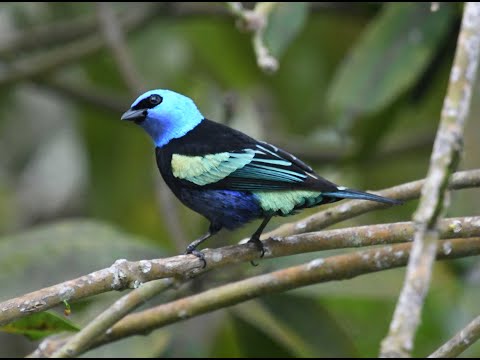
(134, 115)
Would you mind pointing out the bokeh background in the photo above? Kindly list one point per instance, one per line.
(357, 95)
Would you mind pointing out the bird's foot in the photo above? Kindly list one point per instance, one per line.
(200, 255)
(259, 244)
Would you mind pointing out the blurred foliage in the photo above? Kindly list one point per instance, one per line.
(358, 95)
(284, 24)
(26, 257)
(389, 56)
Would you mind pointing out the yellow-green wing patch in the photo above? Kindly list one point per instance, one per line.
(208, 169)
(286, 201)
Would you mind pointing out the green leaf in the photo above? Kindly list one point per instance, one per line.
(419, 116)
(389, 57)
(39, 325)
(284, 23)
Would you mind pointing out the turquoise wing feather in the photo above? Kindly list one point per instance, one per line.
(211, 168)
(261, 168)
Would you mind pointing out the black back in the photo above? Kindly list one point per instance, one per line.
(210, 138)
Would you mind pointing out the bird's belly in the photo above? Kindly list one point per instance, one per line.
(224, 208)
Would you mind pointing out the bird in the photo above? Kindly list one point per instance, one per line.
(225, 175)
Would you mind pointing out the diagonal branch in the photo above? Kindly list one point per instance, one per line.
(460, 342)
(109, 279)
(320, 270)
(256, 21)
(433, 201)
(124, 274)
(79, 342)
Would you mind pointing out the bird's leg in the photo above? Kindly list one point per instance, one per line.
(192, 247)
(255, 238)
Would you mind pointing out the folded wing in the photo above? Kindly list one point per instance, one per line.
(262, 167)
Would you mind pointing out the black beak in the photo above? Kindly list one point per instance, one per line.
(134, 115)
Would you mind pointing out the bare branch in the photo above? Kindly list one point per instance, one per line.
(79, 342)
(320, 270)
(444, 159)
(460, 342)
(255, 21)
(124, 274)
(338, 267)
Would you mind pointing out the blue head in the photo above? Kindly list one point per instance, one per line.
(164, 114)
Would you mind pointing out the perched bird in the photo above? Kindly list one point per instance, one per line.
(225, 175)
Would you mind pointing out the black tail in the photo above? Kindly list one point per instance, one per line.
(360, 195)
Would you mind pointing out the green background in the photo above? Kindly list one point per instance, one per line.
(358, 96)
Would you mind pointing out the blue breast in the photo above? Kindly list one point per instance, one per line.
(225, 208)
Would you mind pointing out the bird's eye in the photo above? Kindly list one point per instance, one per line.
(155, 99)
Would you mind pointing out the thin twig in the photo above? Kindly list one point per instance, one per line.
(125, 274)
(79, 342)
(256, 21)
(460, 342)
(444, 160)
